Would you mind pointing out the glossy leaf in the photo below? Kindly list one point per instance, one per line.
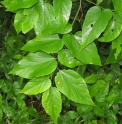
(18, 20)
(118, 5)
(94, 24)
(46, 15)
(55, 27)
(52, 103)
(62, 10)
(73, 44)
(72, 85)
(45, 43)
(35, 65)
(13, 5)
(66, 58)
(112, 31)
(36, 85)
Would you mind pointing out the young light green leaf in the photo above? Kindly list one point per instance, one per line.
(94, 24)
(46, 43)
(52, 103)
(35, 65)
(74, 45)
(72, 85)
(13, 5)
(66, 58)
(112, 31)
(117, 5)
(46, 15)
(36, 85)
(62, 10)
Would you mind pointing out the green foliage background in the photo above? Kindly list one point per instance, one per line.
(60, 62)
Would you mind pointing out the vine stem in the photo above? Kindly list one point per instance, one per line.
(94, 4)
(79, 8)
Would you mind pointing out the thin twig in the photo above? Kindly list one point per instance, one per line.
(94, 4)
(79, 8)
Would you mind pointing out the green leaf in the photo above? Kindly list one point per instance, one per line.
(46, 15)
(0, 99)
(18, 20)
(118, 5)
(31, 17)
(98, 111)
(94, 24)
(62, 10)
(45, 43)
(1, 114)
(72, 114)
(91, 79)
(13, 5)
(103, 89)
(36, 85)
(52, 103)
(35, 65)
(54, 27)
(116, 44)
(112, 31)
(25, 19)
(66, 58)
(99, 1)
(74, 45)
(72, 85)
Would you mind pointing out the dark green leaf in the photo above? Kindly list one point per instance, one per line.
(36, 85)
(98, 111)
(91, 79)
(52, 103)
(72, 85)
(35, 65)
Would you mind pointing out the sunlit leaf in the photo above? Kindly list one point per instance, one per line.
(72, 85)
(13, 5)
(94, 24)
(35, 65)
(62, 10)
(36, 85)
(66, 58)
(45, 43)
(112, 31)
(74, 45)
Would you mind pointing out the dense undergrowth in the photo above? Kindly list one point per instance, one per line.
(77, 82)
